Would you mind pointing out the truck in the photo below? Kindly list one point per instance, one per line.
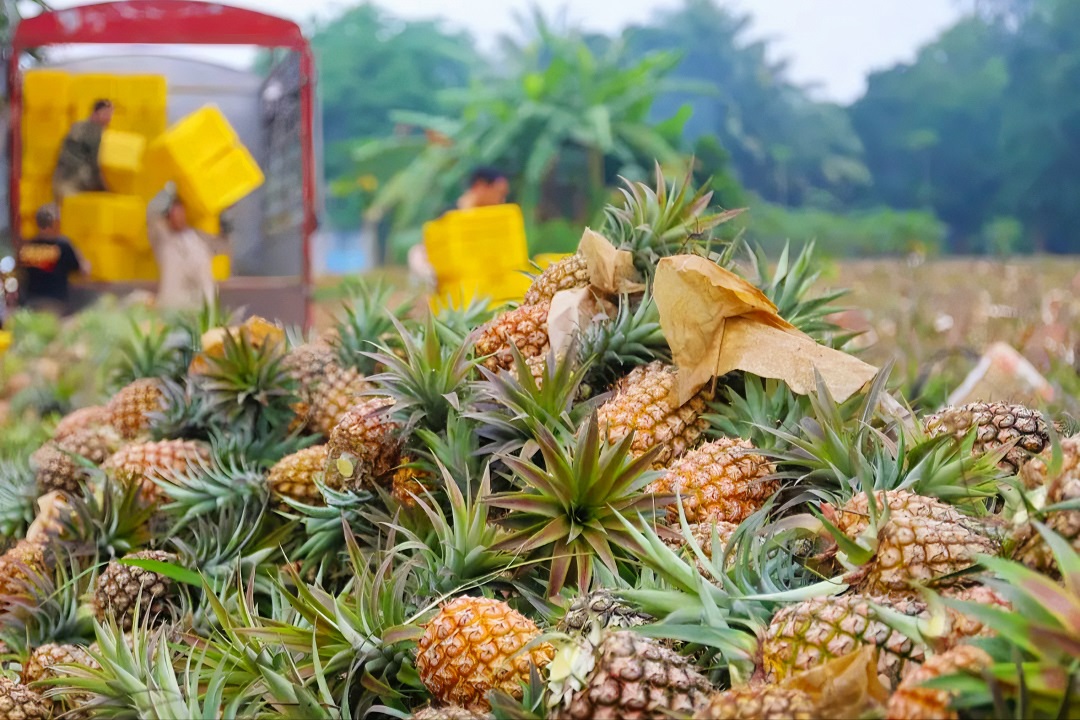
(274, 112)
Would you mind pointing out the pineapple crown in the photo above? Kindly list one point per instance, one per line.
(666, 220)
(18, 491)
(368, 319)
(455, 323)
(426, 385)
(568, 513)
(109, 516)
(515, 404)
(48, 610)
(159, 351)
(632, 338)
(457, 448)
(751, 407)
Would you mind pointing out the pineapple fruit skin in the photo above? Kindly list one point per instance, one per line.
(81, 419)
(998, 424)
(450, 712)
(142, 462)
(20, 564)
(408, 483)
(568, 273)
(129, 410)
(643, 405)
(365, 447)
(326, 389)
(471, 647)
(806, 634)
(55, 469)
(913, 702)
(854, 516)
(524, 328)
(963, 626)
(767, 702)
(39, 665)
(635, 678)
(120, 588)
(602, 608)
(294, 476)
(723, 480)
(18, 702)
(1031, 549)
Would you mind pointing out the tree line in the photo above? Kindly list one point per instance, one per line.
(973, 147)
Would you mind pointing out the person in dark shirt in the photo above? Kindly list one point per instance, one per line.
(47, 262)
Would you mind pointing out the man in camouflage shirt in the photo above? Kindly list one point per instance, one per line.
(77, 170)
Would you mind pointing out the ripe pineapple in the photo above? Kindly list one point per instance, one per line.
(806, 634)
(963, 626)
(20, 565)
(643, 405)
(144, 462)
(622, 675)
(326, 389)
(998, 424)
(854, 516)
(722, 480)
(913, 549)
(471, 647)
(18, 702)
(450, 712)
(603, 609)
(365, 447)
(54, 513)
(565, 274)
(911, 701)
(524, 328)
(130, 408)
(294, 476)
(40, 663)
(56, 469)
(81, 419)
(258, 331)
(120, 588)
(1063, 487)
(408, 483)
(764, 702)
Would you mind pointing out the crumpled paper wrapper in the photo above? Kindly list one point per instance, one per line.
(844, 688)
(717, 322)
(610, 270)
(572, 311)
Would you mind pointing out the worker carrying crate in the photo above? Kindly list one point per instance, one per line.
(77, 168)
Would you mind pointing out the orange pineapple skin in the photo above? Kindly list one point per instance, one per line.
(294, 475)
(644, 405)
(409, 483)
(963, 626)
(998, 424)
(854, 516)
(765, 702)
(129, 410)
(566, 274)
(913, 702)
(723, 480)
(1031, 549)
(21, 564)
(365, 447)
(143, 462)
(81, 419)
(524, 328)
(471, 647)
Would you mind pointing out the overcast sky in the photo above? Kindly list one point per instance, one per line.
(832, 44)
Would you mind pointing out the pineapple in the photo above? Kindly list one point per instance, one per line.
(702, 535)
(130, 408)
(963, 626)
(723, 480)
(54, 514)
(20, 565)
(524, 328)
(408, 483)
(143, 463)
(81, 419)
(39, 666)
(806, 634)
(331, 398)
(120, 588)
(1063, 487)
(601, 608)
(256, 330)
(911, 701)
(643, 406)
(56, 469)
(450, 712)
(475, 645)
(18, 702)
(764, 702)
(565, 274)
(622, 675)
(294, 476)
(997, 424)
(854, 516)
(365, 447)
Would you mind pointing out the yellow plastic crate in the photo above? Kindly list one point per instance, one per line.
(88, 217)
(46, 90)
(544, 260)
(221, 266)
(210, 224)
(42, 134)
(113, 260)
(203, 154)
(145, 266)
(504, 287)
(121, 160)
(88, 88)
(5, 341)
(34, 192)
(482, 242)
(142, 91)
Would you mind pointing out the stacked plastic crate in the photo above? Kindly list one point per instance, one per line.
(478, 253)
(139, 154)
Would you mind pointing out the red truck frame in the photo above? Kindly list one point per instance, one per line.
(171, 22)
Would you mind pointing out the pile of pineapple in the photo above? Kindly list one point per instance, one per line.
(439, 515)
